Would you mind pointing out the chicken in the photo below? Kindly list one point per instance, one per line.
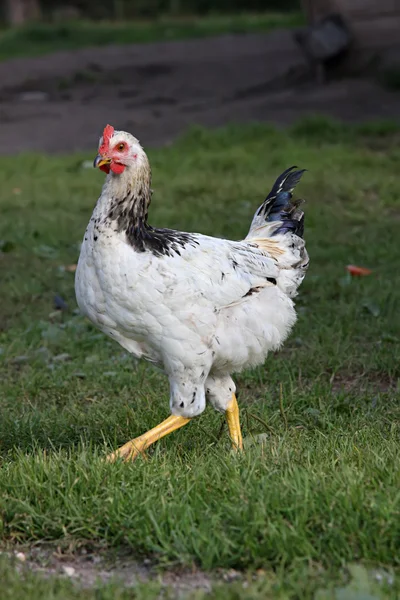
(199, 307)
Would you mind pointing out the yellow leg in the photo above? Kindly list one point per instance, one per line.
(232, 417)
(132, 449)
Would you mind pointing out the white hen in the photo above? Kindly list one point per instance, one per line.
(200, 307)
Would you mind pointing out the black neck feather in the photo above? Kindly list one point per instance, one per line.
(130, 215)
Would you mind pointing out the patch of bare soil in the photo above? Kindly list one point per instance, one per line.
(61, 102)
(362, 382)
(88, 569)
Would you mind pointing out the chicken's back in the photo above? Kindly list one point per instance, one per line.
(261, 323)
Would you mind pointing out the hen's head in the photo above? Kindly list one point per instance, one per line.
(119, 150)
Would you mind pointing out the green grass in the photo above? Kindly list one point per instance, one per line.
(318, 486)
(42, 38)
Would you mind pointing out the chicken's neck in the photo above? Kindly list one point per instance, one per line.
(123, 207)
(124, 202)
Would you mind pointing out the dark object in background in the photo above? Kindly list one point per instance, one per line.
(327, 40)
(59, 303)
(374, 27)
(18, 12)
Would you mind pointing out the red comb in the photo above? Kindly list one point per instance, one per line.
(107, 135)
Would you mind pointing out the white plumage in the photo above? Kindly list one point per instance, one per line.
(200, 307)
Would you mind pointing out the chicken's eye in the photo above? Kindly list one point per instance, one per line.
(121, 147)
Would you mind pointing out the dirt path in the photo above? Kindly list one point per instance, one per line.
(61, 102)
(88, 569)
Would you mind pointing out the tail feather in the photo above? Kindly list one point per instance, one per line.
(279, 206)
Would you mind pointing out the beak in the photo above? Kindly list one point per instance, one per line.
(99, 161)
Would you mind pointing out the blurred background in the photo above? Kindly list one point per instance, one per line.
(157, 67)
(20, 10)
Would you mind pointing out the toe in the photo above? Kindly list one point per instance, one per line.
(128, 452)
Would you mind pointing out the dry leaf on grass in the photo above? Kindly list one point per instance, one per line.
(356, 271)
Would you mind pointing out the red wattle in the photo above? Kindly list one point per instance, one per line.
(117, 168)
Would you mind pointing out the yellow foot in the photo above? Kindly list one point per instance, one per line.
(232, 417)
(131, 450)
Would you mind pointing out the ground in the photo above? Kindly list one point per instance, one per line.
(312, 508)
(61, 102)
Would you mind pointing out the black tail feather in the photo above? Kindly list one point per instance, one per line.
(279, 206)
